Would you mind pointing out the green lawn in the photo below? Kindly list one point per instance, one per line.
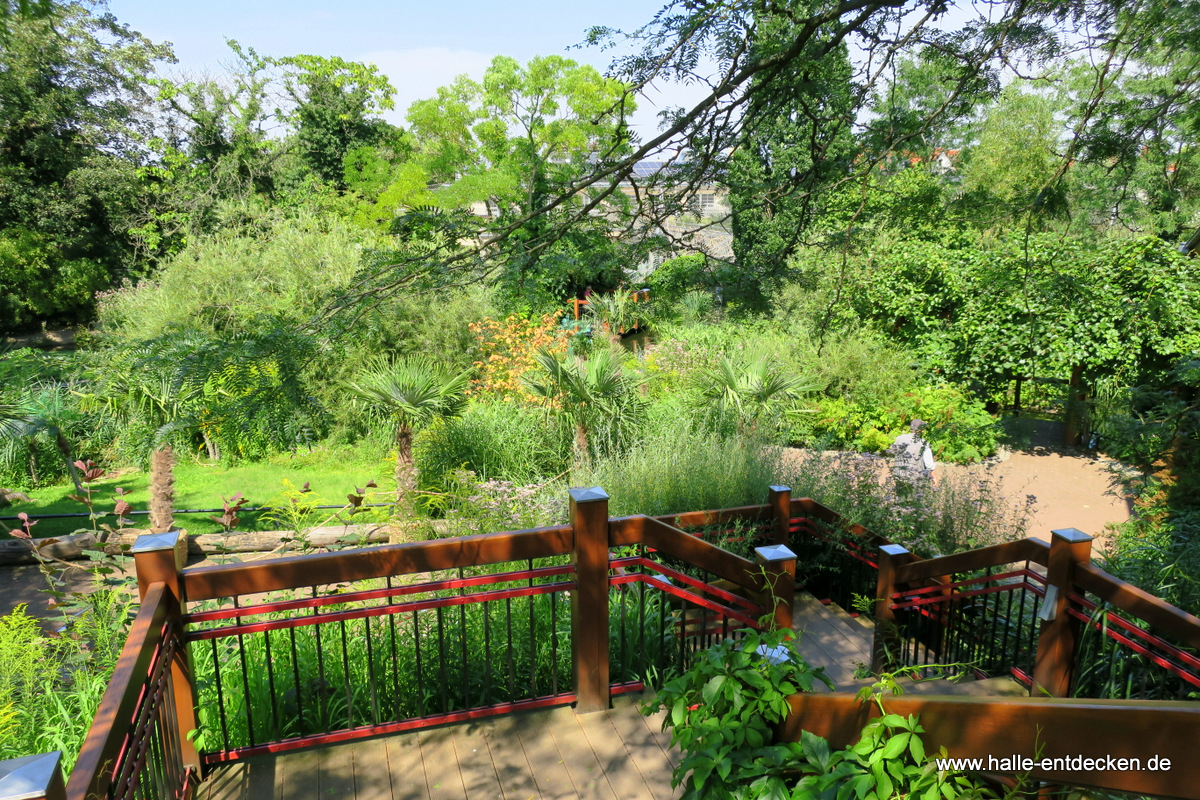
(332, 473)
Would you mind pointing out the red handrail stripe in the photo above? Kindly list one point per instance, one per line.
(942, 587)
(1153, 639)
(1170, 666)
(377, 594)
(637, 577)
(929, 601)
(707, 588)
(374, 611)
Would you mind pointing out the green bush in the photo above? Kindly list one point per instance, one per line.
(960, 430)
(496, 440)
(682, 468)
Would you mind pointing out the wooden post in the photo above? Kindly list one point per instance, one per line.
(159, 557)
(780, 500)
(779, 563)
(589, 605)
(37, 777)
(1055, 662)
(886, 639)
(1076, 395)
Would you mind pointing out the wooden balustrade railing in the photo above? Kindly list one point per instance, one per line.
(140, 746)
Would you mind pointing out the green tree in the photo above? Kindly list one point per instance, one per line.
(74, 114)
(590, 392)
(411, 393)
(336, 108)
(517, 143)
(794, 144)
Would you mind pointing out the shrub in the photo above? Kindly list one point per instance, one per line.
(960, 512)
(959, 428)
(496, 440)
(682, 468)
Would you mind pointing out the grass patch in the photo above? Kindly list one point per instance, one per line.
(331, 472)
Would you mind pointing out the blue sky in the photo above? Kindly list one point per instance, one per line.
(420, 46)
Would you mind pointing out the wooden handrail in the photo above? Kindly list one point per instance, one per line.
(1036, 727)
(1141, 604)
(93, 770)
(315, 569)
(1030, 549)
(672, 541)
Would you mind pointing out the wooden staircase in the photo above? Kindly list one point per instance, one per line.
(832, 638)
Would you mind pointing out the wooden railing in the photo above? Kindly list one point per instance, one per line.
(643, 592)
(224, 662)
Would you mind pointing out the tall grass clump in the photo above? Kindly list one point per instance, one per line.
(497, 440)
(51, 687)
(682, 468)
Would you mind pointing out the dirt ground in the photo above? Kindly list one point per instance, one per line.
(1074, 488)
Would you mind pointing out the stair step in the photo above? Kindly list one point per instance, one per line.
(862, 619)
(830, 640)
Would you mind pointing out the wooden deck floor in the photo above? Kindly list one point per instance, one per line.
(547, 754)
(617, 755)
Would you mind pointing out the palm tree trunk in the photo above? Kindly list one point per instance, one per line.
(582, 456)
(405, 468)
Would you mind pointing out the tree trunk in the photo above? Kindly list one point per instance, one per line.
(405, 469)
(582, 456)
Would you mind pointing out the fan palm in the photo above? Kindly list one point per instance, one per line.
(750, 388)
(583, 389)
(412, 393)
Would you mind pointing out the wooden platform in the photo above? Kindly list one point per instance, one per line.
(554, 753)
(831, 638)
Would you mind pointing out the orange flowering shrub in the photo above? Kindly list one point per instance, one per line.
(505, 351)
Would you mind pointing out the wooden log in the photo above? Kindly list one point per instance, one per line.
(63, 548)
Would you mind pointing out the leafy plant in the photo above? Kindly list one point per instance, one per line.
(722, 713)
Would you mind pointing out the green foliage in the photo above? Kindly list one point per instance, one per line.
(241, 395)
(495, 440)
(283, 266)
(595, 394)
(676, 277)
(52, 686)
(959, 429)
(72, 133)
(682, 467)
(961, 511)
(722, 714)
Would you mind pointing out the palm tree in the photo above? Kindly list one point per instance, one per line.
(412, 392)
(750, 388)
(583, 389)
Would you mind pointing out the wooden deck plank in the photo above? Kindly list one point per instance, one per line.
(335, 772)
(299, 774)
(372, 778)
(614, 757)
(508, 758)
(475, 762)
(584, 767)
(549, 772)
(645, 748)
(442, 776)
(406, 767)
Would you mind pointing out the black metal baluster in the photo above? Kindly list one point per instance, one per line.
(512, 670)
(271, 684)
(322, 684)
(346, 676)
(375, 718)
(220, 696)
(420, 676)
(441, 629)
(245, 684)
(301, 728)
